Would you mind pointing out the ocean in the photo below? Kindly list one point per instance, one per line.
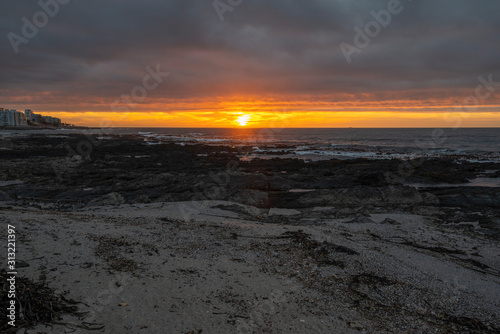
(473, 144)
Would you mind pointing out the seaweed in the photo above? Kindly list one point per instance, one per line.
(37, 303)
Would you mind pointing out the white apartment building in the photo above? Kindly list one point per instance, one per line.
(12, 118)
(17, 118)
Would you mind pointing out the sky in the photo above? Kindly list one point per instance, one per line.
(293, 63)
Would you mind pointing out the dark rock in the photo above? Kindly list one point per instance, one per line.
(109, 199)
(4, 196)
(364, 196)
(253, 197)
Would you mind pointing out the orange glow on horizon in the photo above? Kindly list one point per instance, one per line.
(282, 119)
(264, 111)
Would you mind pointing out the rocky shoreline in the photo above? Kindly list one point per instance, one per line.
(352, 237)
(122, 169)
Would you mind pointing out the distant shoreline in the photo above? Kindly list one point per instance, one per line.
(34, 128)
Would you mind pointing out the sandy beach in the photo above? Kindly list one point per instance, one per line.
(142, 246)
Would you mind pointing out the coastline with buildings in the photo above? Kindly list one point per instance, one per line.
(14, 118)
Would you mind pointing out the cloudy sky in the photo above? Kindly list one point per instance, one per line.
(233, 57)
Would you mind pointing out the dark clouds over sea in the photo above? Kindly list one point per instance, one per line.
(98, 49)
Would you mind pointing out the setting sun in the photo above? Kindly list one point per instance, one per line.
(243, 120)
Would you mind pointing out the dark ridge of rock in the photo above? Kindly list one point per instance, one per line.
(109, 199)
(467, 197)
(441, 171)
(356, 196)
(374, 179)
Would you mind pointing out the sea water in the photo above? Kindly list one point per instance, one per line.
(473, 144)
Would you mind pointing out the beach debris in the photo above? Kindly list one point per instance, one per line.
(38, 304)
(437, 249)
(466, 322)
(110, 249)
(321, 252)
(369, 280)
(303, 238)
(369, 286)
(356, 325)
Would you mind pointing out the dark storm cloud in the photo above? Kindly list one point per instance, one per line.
(99, 49)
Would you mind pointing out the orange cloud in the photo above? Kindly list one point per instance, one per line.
(292, 119)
